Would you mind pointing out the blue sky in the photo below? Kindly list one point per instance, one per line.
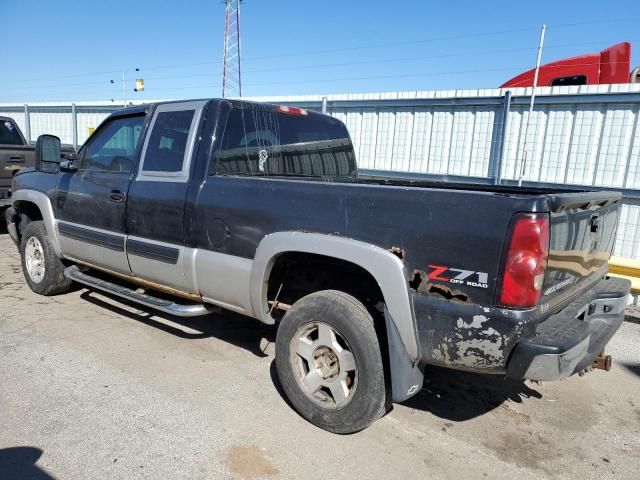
(70, 50)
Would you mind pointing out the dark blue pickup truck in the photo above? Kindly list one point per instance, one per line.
(259, 209)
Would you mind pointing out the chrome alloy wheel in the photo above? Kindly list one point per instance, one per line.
(34, 259)
(323, 364)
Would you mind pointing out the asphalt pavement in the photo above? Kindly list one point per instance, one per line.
(94, 388)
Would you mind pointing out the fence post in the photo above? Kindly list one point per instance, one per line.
(74, 122)
(324, 105)
(497, 151)
(27, 123)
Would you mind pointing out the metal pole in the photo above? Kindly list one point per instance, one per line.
(27, 123)
(497, 171)
(74, 121)
(531, 103)
(124, 89)
(239, 45)
(224, 55)
(324, 104)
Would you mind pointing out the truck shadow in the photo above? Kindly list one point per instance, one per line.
(453, 395)
(460, 396)
(633, 368)
(448, 394)
(20, 463)
(233, 328)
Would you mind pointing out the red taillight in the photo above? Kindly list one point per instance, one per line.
(526, 261)
(301, 112)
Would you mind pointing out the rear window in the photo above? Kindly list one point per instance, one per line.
(259, 140)
(9, 133)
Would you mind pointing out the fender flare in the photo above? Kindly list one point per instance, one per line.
(44, 204)
(385, 267)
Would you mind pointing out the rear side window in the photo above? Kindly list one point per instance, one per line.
(168, 142)
(260, 140)
(9, 133)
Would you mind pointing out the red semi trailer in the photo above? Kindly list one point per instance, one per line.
(609, 66)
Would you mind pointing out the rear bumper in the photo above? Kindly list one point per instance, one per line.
(569, 341)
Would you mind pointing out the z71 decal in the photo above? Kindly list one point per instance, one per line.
(458, 276)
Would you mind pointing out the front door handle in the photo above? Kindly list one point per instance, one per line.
(117, 196)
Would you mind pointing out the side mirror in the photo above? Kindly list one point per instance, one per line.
(47, 153)
(68, 162)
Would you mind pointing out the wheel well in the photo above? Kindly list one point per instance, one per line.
(296, 274)
(29, 209)
(28, 212)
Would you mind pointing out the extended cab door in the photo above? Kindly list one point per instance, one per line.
(90, 203)
(158, 236)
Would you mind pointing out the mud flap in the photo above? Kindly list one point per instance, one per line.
(11, 217)
(406, 377)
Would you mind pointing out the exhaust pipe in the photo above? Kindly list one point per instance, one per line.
(602, 362)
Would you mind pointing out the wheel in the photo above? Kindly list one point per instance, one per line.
(42, 268)
(329, 362)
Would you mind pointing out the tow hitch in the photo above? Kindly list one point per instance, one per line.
(602, 362)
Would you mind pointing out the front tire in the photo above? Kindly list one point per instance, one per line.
(329, 362)
(43, 270)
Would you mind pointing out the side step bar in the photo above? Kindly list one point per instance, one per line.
(166, 306)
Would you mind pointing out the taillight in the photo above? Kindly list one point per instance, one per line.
(526, 261)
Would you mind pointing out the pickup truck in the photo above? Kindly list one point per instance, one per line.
(259, 209)
(15, 153)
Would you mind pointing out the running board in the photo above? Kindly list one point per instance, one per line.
(166, 306)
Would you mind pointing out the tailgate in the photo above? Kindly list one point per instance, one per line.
(583, 230)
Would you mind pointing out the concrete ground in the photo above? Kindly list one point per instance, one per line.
(92, 388)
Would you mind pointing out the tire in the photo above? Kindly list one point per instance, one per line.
(43, 270)
(334, 380)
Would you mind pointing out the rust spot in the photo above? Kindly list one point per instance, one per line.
(447, 293)
(417, 279)
(418, 284)
(398, 252)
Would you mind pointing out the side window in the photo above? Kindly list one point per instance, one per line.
(249, 135)
(574, 80)
(113, 147)
(268, 140)
(167, 144)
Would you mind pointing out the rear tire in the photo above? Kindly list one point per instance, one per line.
(329, 362)
(43, 270)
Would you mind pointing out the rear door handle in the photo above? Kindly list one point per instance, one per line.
(16, 158)
(117, 196)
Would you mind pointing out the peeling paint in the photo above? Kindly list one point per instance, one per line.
(472, 345)
(481, 351)
(472, 337)
(476, 322)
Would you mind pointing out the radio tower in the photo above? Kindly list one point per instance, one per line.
(231, 84)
